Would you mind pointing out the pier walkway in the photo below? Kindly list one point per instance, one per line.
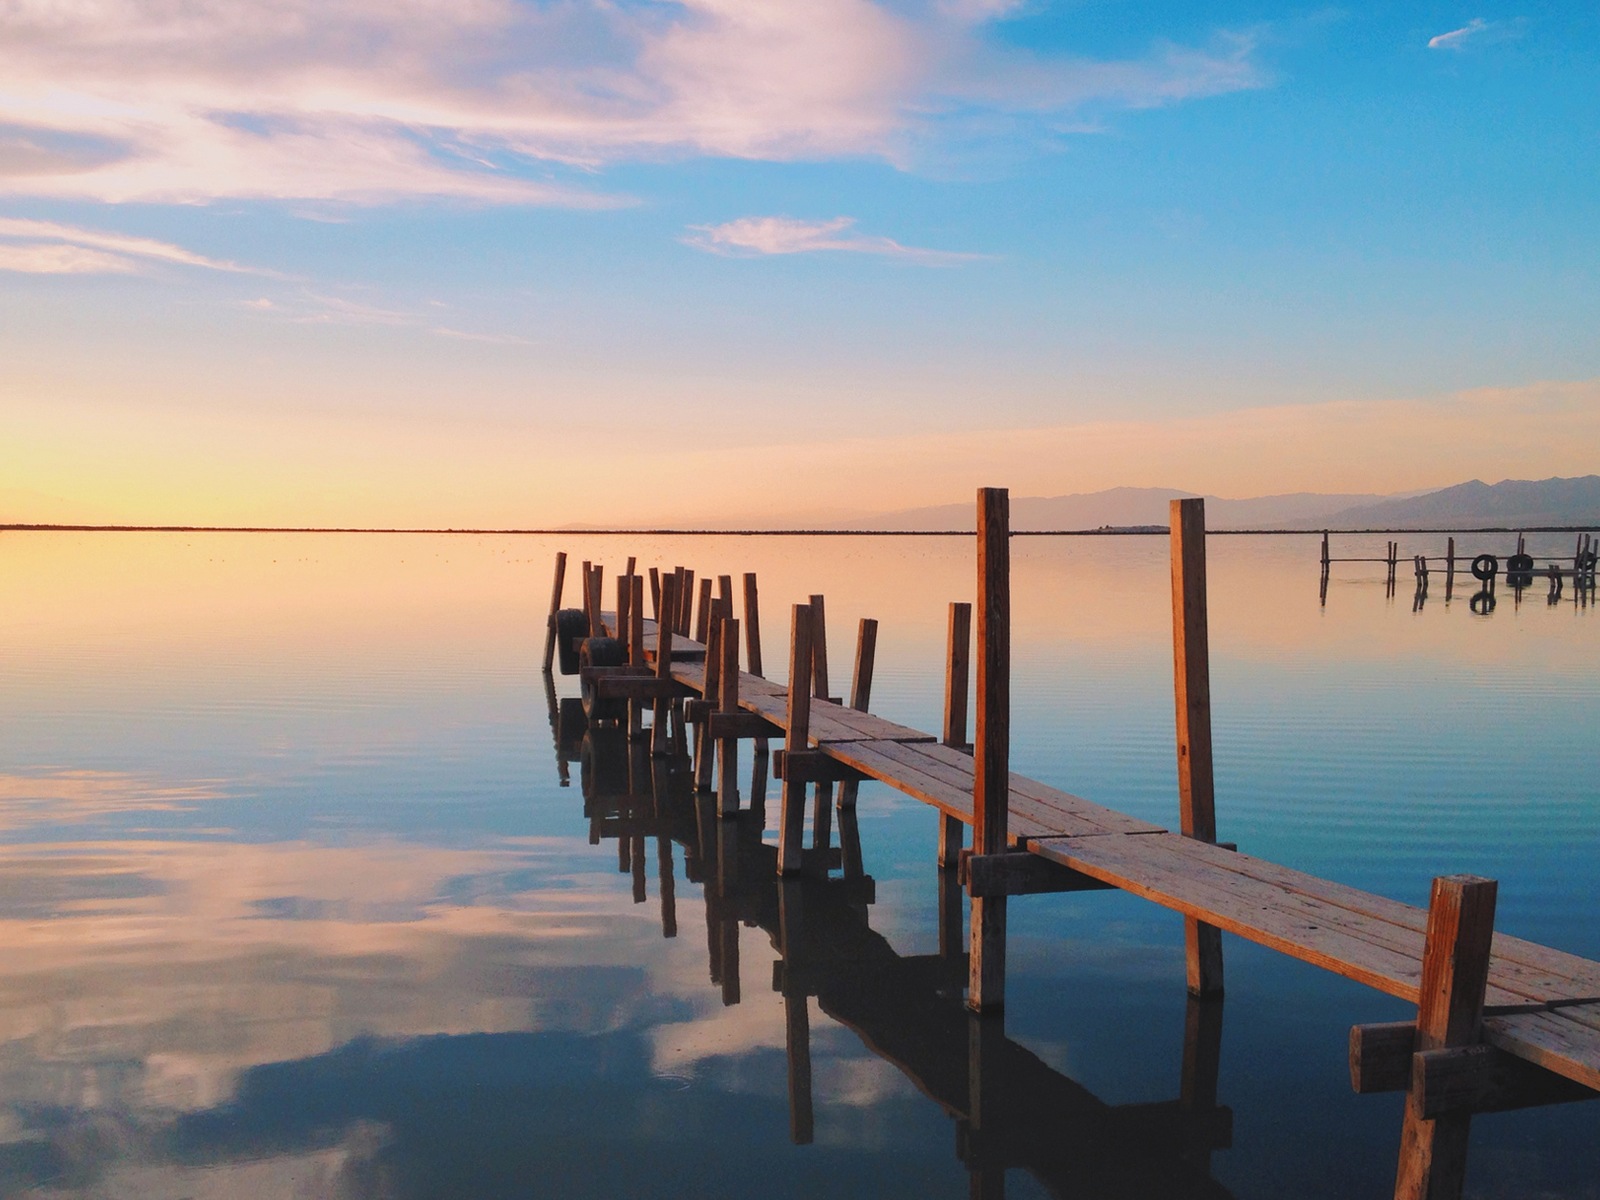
(1502, 1022)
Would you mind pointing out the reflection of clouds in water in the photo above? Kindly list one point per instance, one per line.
(71, 797)
(158, 1002)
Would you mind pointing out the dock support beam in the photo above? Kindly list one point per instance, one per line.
(991, 744)
(860, 694)
(952, 833)
(1455, 973)
(1191, 660)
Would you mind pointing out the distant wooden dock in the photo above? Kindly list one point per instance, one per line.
(1502, 1022)
(1520, 571)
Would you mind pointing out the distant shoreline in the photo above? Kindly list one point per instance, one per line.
(1137, 531)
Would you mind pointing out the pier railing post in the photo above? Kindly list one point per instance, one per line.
(728, 702)
(752, 625)
(666, 618)
(1191, 659)
(555, 607)
(860, 693)
(1455, 974)
(791, 821)
(958, 655)
(991, 744)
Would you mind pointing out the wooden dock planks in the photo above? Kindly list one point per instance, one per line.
(1543, 1004)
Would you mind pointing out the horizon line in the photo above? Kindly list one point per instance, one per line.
(1102, 531)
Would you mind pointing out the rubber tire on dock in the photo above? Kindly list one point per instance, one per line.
(1485, 567)
(602, 652)
(572, 626)
(1519, 571)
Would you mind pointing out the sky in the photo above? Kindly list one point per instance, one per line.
(522, 263)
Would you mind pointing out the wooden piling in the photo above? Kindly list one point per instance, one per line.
(1455, 972)
(958, 654)
(991, 743)
(1192, 691)
(1449, 567)
(705, 748)
(797, 737)
(636, 655)
(555, 607)
(702, 626)
(685, 602)
(819, 648)
(728, 702)
(860, 692)
(666, 619)
(752, 626)
(655, 593)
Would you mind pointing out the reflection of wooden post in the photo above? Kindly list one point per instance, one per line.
(669, 892)
(957, 656)
(792, 820)
(819, 648)
(1192, 688)
(1455, 972)
(666, 618)
(555, 607)
(985, 1087)
(992, 743)
(728, 702)
(1202, 1063)
(796, 1011)
(860, 693)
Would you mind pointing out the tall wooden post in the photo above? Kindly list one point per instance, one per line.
(555, 607)
(705, 748)
(819, 648)
(685, 602)
(666, 618)
(752, 626)
(1455, 973)
(728, 702)
(636, 650)
(655, 592)
(1191, 660)
(791, 822)
(1449, 567)
(860, 692)
(992, 744)
(958, 656)
(702, 626)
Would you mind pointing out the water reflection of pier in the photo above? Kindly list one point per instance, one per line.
(1011, 1109)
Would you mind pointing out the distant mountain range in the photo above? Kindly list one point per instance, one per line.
(1512, 503)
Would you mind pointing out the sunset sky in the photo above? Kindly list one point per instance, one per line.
(517, 263)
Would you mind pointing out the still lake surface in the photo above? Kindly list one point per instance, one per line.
(299, 898)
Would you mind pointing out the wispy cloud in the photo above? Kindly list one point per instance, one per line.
(757, 236)
(1456, 38)
(306, 307)
(51, 248)
(500, 101)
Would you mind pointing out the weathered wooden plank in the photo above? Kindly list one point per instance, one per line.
(1555, 1039)
(811, 766)
(743, 725)
(1018, 873)
(1483, 1078)
(1147, 865)
(1380, 1056)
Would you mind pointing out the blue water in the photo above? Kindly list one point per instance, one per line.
(299, 896)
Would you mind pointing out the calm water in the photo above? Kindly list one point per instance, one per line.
(299, 898)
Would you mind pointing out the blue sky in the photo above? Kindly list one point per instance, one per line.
(365, 261)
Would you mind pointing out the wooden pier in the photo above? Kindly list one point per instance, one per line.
(1502, 1022)
(1519, 570)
